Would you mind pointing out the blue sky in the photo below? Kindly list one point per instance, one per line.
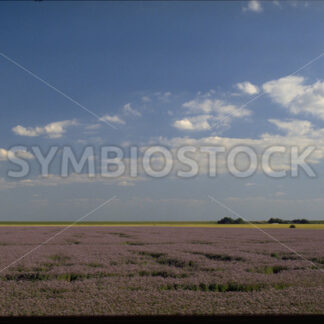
(161, 72)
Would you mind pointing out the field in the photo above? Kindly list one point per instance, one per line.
(149, 270)
(312, 225)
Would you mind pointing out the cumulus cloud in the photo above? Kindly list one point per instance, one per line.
(4, 155)
(215, 106)
(128, 110)
(298, 133)
(247, 88)
(198, 123)
(292, 93)
(207, 112)
(52, 130)
(294, 127)
(254, 6)
(112, 119)
(284, 90)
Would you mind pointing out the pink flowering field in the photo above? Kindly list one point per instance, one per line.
(98, 270)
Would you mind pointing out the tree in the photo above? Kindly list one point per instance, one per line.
(276, 220)
(229, 220)
(301, 221)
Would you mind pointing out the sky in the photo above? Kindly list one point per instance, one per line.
(163, 73)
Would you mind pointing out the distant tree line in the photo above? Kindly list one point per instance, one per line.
(282, 221)
(229, 220)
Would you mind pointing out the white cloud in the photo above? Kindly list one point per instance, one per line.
(218, 107)
(292, 93)
(52, 130)
(248, 88)
(112, 119)
(294, 127)
(307, 136)
(4, 154)
(128, 110)
(254, 6)
(284, 90)
(207, 112)
(24, 155)
(197, 123)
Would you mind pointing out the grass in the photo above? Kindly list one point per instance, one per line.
(269, 269)
(220, 257)
(317, 260)
(69, 241)
(70, 276)
(175, 262)
(285, 257)
(154, 255)
(95, 265)
(59, 258)
(162, 273)
(227, 287)
(123, 235)
(53, 292)
(134, 243)
(44, 267)
(162, 258)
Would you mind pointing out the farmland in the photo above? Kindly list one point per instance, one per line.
(311, 225)
(158, 269)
